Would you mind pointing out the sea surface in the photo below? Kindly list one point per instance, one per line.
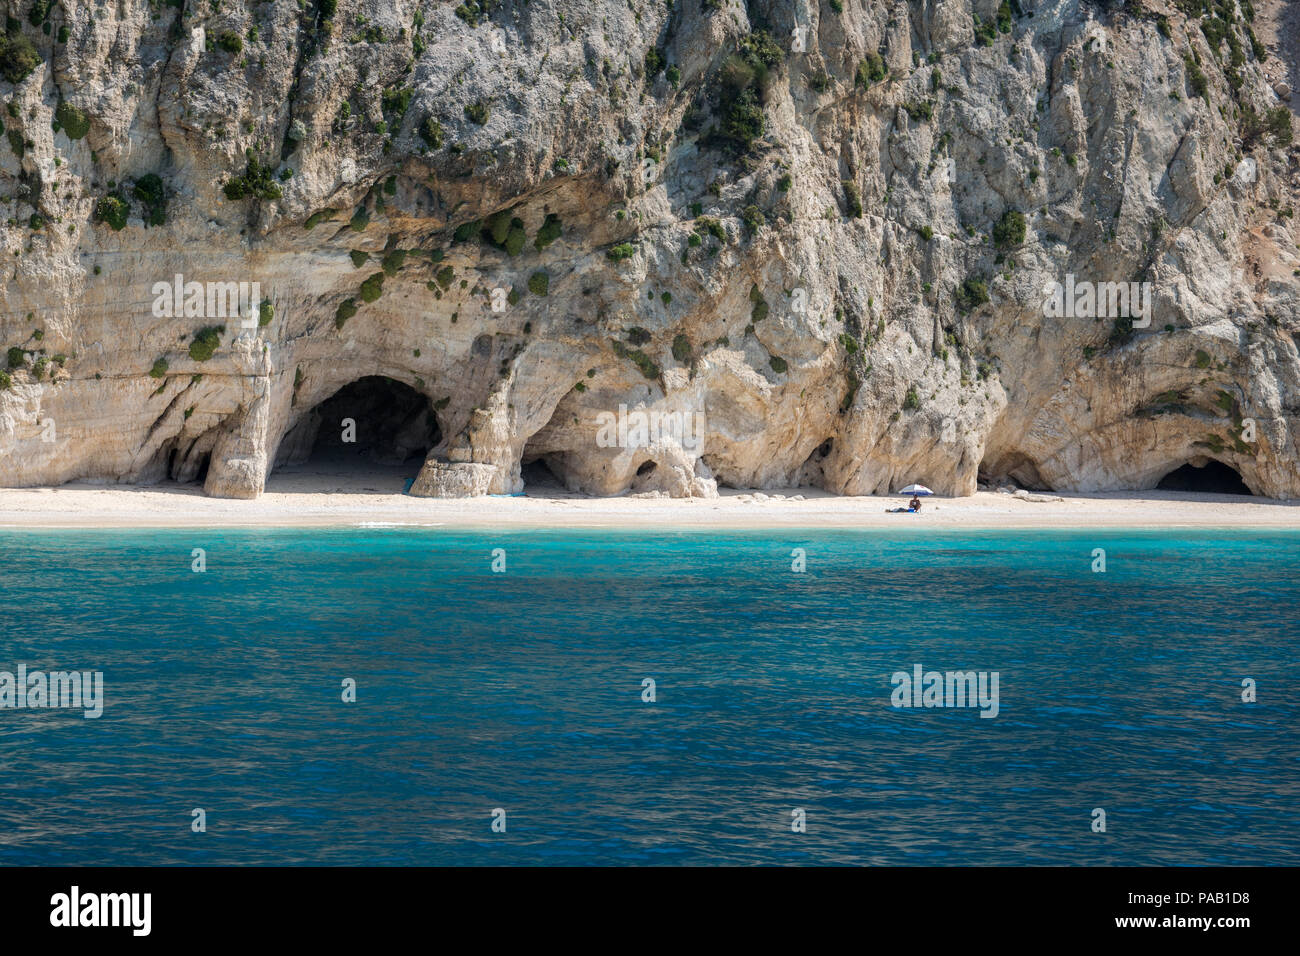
(522, 691)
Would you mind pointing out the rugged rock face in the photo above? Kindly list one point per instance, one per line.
(824, 232)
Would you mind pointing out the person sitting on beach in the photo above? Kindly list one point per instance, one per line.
(914, 504)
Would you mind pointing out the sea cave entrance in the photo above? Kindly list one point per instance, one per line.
(1214, 477)
(538, 477)
(369, 436)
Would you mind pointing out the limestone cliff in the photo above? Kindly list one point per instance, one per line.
(863, 240)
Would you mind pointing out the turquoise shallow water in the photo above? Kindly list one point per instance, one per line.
(522, 691)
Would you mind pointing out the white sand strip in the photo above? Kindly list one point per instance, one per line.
(313, 501)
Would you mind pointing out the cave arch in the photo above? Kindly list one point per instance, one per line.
(374, 426)
(1214, 477)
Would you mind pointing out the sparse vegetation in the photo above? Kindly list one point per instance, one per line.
(318, 217)
(372, 288)
(971, 295)
(852, 199)
(1274, 124)
(230, 41)
(642, 361)
(539, 283)
(112, 210)
(474, 12)
(549, 232)
(1197, 78)
(431, 132)
(744, 78)
(347, 308)
(393, 261)
(681, 347)
(206, 341)
(870, 70)
(1009, 231)
(149, 191)
(18, 58)
(74, 122)
(257, 181)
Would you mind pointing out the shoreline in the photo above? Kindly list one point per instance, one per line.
(307, 501)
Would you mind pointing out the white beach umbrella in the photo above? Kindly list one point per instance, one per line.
(919, 490)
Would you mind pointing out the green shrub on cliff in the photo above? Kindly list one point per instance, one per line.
(6, 381)
(372, 288)
(159, 368)
(318, 217)
(257, 181)
(474, 12)
(149, 191)
(431, 132)
(1010, 230)
(347, 308)
(74, 121)
(852, 198)
(205, 342)
(17, 57)
(112, 210)
(870, 70)
(971, 295)
(549, 232)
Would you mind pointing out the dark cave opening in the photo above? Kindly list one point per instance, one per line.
(176, 463)
(1214, 477)
(537, 475)
(374, 423)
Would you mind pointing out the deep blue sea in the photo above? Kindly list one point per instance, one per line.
(522, 691)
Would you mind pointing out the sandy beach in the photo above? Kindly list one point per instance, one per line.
(314, 500)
